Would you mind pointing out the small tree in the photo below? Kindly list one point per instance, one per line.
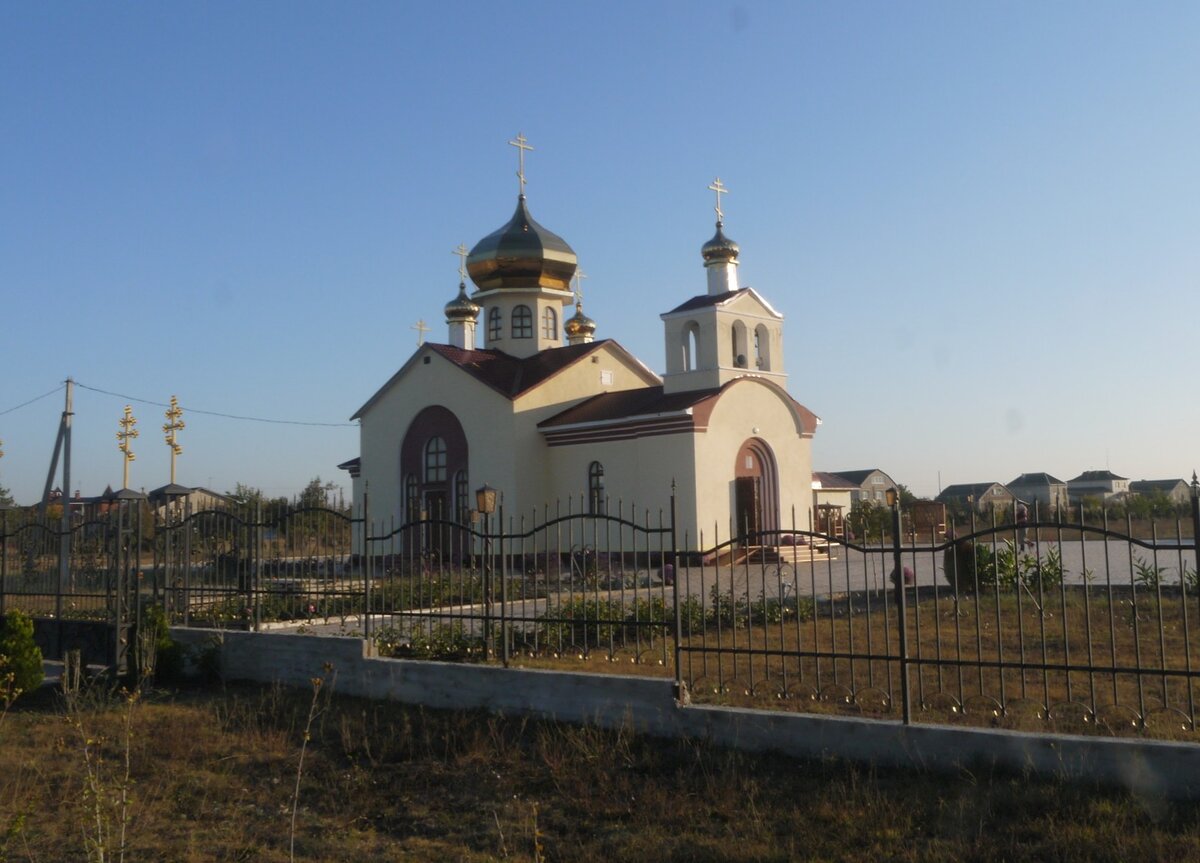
(19, 654)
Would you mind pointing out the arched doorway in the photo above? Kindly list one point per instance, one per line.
(756, 491)
(434, 474)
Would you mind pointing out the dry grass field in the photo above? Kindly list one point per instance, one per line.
(202, 775)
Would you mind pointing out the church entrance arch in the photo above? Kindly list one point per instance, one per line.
(433, 472)
(756, 489)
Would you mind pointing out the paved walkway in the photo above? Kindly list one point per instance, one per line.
(1114, 562)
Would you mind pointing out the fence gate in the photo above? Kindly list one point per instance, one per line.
(80, 586)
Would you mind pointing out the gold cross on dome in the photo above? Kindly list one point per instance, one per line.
(462, 253)
(421, 331)
(580, 275)
(719, 187)
(522, 145)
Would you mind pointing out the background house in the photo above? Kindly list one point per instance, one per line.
(1096, 483)
(1040, 488)
(184, 498)
(1176, 490)
(982, 496)
(833, 495)
(870, 484)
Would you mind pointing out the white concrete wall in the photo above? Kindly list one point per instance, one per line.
(1154, 770)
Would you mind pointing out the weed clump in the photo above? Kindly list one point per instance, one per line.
(20, 657)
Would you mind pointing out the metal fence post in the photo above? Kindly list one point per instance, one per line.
(3, 559)
(679, 692)
(256, 574)
(488, 566)
(1196, 520)
(505, 623)
(901, 606)
(64, 555)
(364, 564)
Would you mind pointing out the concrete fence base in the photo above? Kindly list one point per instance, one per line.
(1154, 769)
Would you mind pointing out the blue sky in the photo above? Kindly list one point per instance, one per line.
(979, 219)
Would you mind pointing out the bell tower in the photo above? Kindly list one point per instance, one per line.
(727, 332)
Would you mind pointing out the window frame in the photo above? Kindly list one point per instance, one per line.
(522, 322)
(434, 464)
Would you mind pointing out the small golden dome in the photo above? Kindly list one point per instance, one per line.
(579, 323)
(719, 248)
(522, 254)
(461, 308)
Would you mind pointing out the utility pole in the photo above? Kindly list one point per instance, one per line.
(62, 446)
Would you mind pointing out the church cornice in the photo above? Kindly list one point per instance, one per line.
(721, 301)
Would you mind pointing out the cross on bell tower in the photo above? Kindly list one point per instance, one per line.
(719, 187)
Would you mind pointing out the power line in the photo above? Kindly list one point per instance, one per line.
(31, 401)
(215, 413)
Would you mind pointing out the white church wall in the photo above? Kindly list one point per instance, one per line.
(637, 473)
(535, 483)
(750, 409)
(485, 416)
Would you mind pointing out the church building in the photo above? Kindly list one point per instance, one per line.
(522, 396)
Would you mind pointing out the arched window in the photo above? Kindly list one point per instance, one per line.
(462, 502)
(596, 498)
(739, 345)
(762, 348)
(495, 324)
(522, 323)
(549, 324)
(412, 502)
(691, 343)
(435, 460)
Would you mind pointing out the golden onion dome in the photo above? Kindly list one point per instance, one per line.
(462, 308)
(579, 323)
(522, 254)
(719, 248)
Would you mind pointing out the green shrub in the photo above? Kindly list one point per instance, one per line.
(444, 641)
(1149, 576)
(971, 566)
(581, 622)
(166, 660)
(20, 657)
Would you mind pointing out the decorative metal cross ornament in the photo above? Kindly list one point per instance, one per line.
(521, 146)
(462, 253)
(719, 187)
(580, 275)
(127, 433)
(171, 428)
(421, 329)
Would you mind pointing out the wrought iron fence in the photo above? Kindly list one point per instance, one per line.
(1053, 623)
(1048, 624)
